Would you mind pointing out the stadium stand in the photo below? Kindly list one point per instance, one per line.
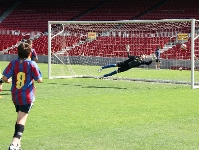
(29, 20)
(174, 9)
(4, 5)
(119, 10)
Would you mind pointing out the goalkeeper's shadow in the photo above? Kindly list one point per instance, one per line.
(105, 87)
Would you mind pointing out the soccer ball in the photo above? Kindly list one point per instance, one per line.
(183, 47)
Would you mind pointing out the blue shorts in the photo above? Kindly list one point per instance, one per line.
(24, 108)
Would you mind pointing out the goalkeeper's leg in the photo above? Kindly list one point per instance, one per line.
(107, 66)
(110, 74)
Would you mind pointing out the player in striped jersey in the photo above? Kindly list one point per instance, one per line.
(33, 57)
(33, 54)
(22, 72)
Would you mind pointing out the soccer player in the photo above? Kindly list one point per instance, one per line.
(33, 55)
(131, 62)
(158, 61)
(22, 72)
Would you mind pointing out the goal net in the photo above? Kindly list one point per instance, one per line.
(80, 48)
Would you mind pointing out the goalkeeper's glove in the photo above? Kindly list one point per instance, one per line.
(154, 57)
(148, 62)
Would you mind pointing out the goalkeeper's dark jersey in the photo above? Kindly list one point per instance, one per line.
(133, 61)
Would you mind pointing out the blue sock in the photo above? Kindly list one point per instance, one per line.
(110, 74)
(108, 66)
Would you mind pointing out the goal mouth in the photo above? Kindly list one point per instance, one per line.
(77, 49)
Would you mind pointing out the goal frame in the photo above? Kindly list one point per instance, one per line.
(193, 21)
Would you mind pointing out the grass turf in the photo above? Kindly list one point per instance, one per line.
(84, 114)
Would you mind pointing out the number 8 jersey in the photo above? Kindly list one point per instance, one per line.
(23, 75)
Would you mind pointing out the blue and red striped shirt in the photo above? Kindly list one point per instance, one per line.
(33, 54)
(23, 76)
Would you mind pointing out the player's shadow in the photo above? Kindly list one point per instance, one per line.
(6, 90)
(104, 87)
(5, 94)
(65, 84)
(57, 83)
(52, 83)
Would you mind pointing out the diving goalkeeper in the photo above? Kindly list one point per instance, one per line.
(131, 62)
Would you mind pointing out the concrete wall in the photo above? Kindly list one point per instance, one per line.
(9, 57)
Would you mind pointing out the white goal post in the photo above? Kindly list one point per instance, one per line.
(79, 48)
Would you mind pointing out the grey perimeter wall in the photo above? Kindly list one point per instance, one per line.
(100, 61)
(9, 57)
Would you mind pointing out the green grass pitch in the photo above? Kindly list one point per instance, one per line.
(95, 114)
